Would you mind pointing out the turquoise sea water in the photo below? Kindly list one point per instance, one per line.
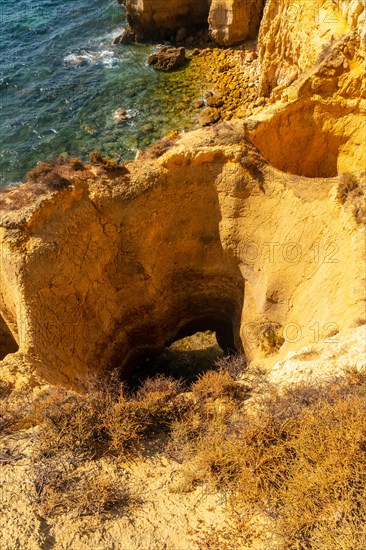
(61, 82)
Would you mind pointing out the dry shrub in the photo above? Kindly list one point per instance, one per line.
(162, 146)
(160, 399)
(16, 412)
(76, 430)
(217, 384)
(235, 365)
(71, 423)
(87, 491)
(108, 164)
(40, 170)
(297, 460)
(55, 181)
(46, 174)
(102, 420)
(351, 191)
(76, 164)
(348, 183)
(184, 433)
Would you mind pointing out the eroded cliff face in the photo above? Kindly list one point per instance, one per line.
(252, 228)
(234, 21)
(295, 36)
(208, 236)
(229, 21)
(160, 20)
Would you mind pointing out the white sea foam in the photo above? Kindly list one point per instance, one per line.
(104, 57)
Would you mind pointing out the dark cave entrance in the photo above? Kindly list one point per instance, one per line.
(196, 347)
(184, 359)
(196, 330)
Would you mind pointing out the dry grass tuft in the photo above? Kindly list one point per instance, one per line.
(88, 491)
(352, 191)
(309, 353)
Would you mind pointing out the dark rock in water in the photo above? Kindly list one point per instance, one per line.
(127, 37)
(148, 128)
(167, 58)
(76, 60)
(209, 116)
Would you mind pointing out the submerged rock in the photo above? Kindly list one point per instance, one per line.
(198, 104)
(121, 114)
(167, 58)
(127, 37)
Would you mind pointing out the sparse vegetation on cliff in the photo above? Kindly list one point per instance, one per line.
(45, 173)
(291, 465)
(351, 191)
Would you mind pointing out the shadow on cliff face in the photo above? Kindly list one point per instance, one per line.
(7, 342)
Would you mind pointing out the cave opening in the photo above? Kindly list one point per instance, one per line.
(192, 335)
(186, 358)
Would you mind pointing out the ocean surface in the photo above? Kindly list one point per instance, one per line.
(61, 81)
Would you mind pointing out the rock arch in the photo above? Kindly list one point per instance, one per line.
(117, 266)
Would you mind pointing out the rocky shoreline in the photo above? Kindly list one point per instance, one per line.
(231, 72)
(229, 88)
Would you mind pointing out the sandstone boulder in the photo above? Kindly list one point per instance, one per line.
(167, 58)
(121, 114)
(207, 235)
(209, 116)
(215, 101)
(289, 46)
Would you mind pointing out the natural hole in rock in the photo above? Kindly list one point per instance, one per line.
(186, 358)
(7, 341)
(301, 141)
